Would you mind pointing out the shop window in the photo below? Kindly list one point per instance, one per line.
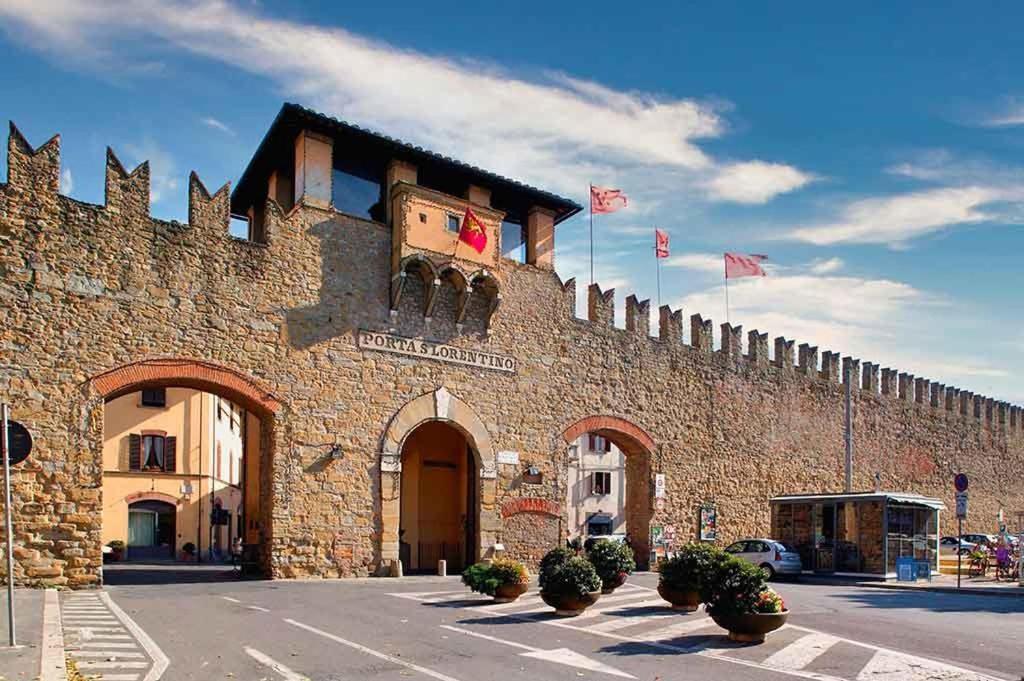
(513, 241)
(601, 483)
(154, 397)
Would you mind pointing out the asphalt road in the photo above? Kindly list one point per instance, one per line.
(431, 628)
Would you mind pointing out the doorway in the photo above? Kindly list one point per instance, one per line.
(439, 499)
(151, 526)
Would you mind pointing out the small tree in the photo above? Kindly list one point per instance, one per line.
(552, 561)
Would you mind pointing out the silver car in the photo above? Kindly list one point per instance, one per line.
(774, 557)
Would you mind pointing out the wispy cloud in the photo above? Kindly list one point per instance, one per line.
(216, 124)
(895, 220)
(826, 266)
(163, 170)
(709, 263)
(67, 183)
(1010, 114)
(554, 129)
(755, 181)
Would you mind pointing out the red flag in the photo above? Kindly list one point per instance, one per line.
(473, 231)
(737, 265)
(660, 244)
(603, 200)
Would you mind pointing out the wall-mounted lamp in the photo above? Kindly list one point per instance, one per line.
(533, 476)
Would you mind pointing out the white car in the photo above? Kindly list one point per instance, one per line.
(948, 545)
(774, 557)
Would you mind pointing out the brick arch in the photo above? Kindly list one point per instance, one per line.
(189, 373)
(627, 436)
(152, 496)
(638, 448)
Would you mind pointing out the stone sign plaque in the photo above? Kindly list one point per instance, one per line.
(508, 457)
(414, 347)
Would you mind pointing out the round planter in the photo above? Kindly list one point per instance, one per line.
(619, 580)
(570, 605)
(751, 627)
(687, 601)
(506, 593)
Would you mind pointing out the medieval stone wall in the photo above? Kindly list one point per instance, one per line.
(88, 288)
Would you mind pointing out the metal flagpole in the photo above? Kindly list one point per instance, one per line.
(591, 234)
(657, 262)
(727, 321)
(8, 525)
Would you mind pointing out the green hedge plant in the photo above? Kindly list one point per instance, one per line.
(574, 577)
(553, 561)
(485, 578)
(692, 568)
(735, 588)
(612, 560)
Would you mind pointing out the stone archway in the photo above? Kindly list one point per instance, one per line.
(638, 448)
(442, 406)
(216, 379)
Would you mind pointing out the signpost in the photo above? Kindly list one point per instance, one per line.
(960, 483)
(15, 445)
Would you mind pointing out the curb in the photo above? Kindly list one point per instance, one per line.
(1005, 592)
(52, 663)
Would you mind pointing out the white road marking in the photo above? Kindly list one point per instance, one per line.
(106, 644)
(890, 665)
(230, 599)
(557, 655)
(52, 664)
(610, 609)
(623, 621)
(802, 651)
(119, 677)
(677, 629)
(369, 651)
(111, 664)
(267, 661)
(108, 653)
(256, 607)
(160, 661)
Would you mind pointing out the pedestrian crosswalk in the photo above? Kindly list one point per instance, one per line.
(635, 614)
(100, 643)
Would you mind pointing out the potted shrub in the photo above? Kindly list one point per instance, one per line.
(613, 562)
(188, 551)
(116, 550)
(568, 583)
(739, 600)
(683, 578)
(503, 578)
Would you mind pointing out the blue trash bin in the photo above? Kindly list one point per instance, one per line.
(906, 570)
(924, 570)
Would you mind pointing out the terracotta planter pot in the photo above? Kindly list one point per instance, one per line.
(506, 593)
(619, 580)
(687, 601)
(752, 627)
(570, 605)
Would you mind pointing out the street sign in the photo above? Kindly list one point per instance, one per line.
(960, 482)
(659, 485)
(961, 505)
(19, 442)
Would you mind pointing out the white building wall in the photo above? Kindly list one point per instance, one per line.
(582, 501)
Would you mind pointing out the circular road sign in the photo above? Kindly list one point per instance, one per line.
(19, 442)
(960, 482)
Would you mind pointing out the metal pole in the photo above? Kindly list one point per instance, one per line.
(848, 379)
(959, 541)
(657, 262)
(8, 524)
(591, 234)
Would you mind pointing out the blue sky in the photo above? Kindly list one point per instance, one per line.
(876, 156)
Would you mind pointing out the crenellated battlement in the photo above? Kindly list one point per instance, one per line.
(35, 172)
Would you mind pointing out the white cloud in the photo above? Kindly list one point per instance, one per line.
(67, 183)
(877, 320)
(212, 122)
(1010, 115)
(711, 263)
(163, 171)
(755, 181)
(553, 130)
(826, 266)
(895, 220)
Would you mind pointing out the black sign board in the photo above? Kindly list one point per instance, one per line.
(960, 482)
(19, 442)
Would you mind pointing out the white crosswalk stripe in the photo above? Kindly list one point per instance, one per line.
(633, 614)
(105, 643)
(802, 651)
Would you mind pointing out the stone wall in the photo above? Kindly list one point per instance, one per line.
(88, 288)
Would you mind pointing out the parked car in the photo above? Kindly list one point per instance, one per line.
(949, 545)
(774, 557)
(986, 540)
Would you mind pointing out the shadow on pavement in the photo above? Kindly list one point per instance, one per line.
(934, 601)
(134, 574)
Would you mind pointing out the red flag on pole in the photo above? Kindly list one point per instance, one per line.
(604, 200)
(660, 244)
(473, 231)
(737, 265)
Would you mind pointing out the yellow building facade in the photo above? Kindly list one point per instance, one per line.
(173, 474)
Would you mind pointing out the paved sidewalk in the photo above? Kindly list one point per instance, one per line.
(986, 586)
(21, 663)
